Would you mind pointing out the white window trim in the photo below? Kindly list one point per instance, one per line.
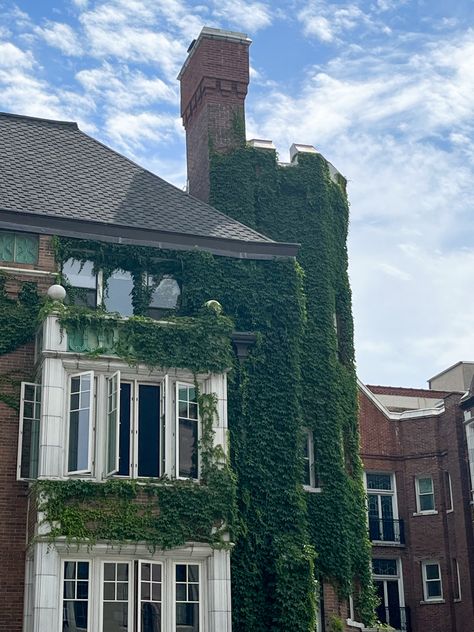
(91, 451)
(168, 561)
(384, 492)
(398, 577)
(427, 599)
(419, 511)
(109, 381)
(312, 487)
(177, 385)
(450, 491)
(457, 579)
(469, 429)
(138, 596)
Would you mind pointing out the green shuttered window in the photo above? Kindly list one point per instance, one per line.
(18, 247)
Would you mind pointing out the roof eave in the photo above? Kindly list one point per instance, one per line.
(82, 229)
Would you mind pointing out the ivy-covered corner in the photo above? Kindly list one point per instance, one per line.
(303, 203)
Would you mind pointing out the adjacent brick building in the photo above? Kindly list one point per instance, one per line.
(414, 449)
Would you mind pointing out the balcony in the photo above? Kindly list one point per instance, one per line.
(397, 618)
(386, 530)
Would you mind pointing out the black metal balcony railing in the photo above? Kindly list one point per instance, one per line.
(386, 530)
(397, 618)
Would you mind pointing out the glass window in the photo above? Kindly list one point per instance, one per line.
(115, 597)
(150, 597)
(456, 581)
(80, 275)
(76, 597)
(187, 598)
(187, 431)
(432, 581)
(309, 474)
(80, 423)
(148, 430)
(165, 295)
(425, 494)
(448, 491)
(113, 423)
(379, 481)
(30, 414)
(118, 295)
(384, 567)
(18, 247)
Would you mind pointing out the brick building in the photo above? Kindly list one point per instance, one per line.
(117, 492)
(414, 450)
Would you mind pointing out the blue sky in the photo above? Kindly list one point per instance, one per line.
(383, 88)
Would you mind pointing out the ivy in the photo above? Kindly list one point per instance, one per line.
(18, 318)
(163, 513)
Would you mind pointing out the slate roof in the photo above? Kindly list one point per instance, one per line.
(63, 181)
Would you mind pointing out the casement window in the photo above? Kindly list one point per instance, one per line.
(28, 444)
(309, 473)
(89, 289)
(448, 491)
(134, 596)
(187, 461)
(432, 585)
(117, 427)
(76, 595)
(81, 427)
(425, 500)
(18, 247)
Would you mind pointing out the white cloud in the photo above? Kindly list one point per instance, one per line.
(246, 15)
(131, 131)
(13, 57)
(62, 36)
(327, 21)
(81, 4)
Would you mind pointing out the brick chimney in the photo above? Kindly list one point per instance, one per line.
(214, 82)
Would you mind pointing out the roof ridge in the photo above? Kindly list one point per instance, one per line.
(38, 118)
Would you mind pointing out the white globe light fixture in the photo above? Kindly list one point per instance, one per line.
(57, 293)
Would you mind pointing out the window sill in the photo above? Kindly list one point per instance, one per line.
(432, 512)
(312, 490)
(449, 511)
(354, 624)
(432, 602)
(384, 543)
(457, 600)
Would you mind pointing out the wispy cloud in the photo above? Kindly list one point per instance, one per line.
(246, 15)
(62, 36)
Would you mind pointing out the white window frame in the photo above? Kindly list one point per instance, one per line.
(37, 388)
(424, 564)
(309, 438)
(90, 591)
(173, 600)
(138, 596)
(449, 492)
(168, 564)
(420, 511)
(112, 382)
(177, 386)
(457, 579)
(89, 470)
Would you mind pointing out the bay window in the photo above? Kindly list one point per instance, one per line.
(80, 423)
(188, 432)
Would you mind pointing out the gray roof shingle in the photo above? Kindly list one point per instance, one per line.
(52, 169)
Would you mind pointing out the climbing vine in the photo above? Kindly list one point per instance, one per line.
(162, 513)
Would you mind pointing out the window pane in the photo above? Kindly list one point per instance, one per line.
(193, 573)
(379, 481)
(187, 617)
(180, 572)
(148, 430)
(26, 248)
(432, 571)
(426, 502)
(150, 617)
(434, 588)
(75, 597)
(166, 294)
(118, 293)
(188, 457)
(181, 592)
(115, 616)
(425, 485)
(7, 246)
(124, 433)
(115, 606)
(80, 274)
(75, 616)
(384, 567)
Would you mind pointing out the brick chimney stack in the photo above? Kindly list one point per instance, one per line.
(214, 81)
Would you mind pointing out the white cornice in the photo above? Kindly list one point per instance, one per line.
(406, 414)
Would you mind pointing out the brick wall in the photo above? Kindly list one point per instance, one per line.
(13, 494)
(426, 446)
(213, 89)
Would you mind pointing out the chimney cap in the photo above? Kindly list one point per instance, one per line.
(210, 33)
(260, 143)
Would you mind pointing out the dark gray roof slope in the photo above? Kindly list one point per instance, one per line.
(63, 181)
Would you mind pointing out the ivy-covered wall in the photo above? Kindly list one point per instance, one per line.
(301, 203)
